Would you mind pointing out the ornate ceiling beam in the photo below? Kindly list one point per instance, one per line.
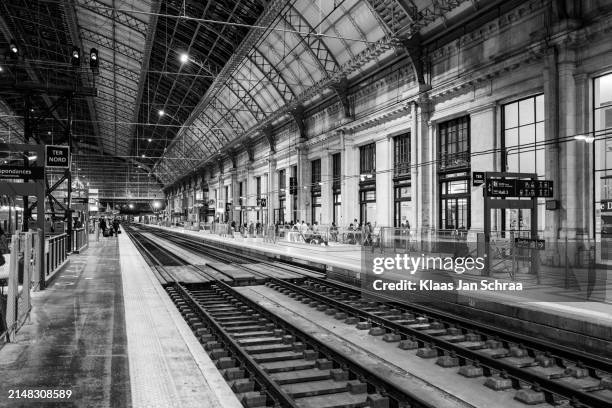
(272, 74)
(313, 43)
(268, 15)
(146, 59)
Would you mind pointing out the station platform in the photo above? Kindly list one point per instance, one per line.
(107, 334)
(552, 314)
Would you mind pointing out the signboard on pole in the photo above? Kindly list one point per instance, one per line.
(57, 156)
(529, 243)
(478, 178)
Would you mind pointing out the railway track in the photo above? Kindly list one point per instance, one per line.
(270, 363)
(539, 371)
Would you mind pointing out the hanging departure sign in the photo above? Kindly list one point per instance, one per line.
(535, 188)
(515, 188)
(57, 156)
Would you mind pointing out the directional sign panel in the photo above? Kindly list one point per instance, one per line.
(20, 172)
(501, 188)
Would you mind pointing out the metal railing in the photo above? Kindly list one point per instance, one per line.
(80, 239)
(21, 268)
(56, 253)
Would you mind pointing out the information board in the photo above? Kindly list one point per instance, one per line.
(528, 243)
(515, 188)
(23, 173)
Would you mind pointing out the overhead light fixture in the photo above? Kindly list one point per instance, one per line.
(149, 140)
(161, 112)
(1, 69)
(13, 49)
(184, 58)
(131, 206)
(143, 156)
(94, 61)
(33, 157)
(75, 57)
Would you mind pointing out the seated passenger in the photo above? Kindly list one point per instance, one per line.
(333, 232)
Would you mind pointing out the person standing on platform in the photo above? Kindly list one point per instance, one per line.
(116, 226)
(103, 226)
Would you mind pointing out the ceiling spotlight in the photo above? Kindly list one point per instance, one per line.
(1, 69)
(75, 57)
(184, 57)
(131, 206)
(161, 112)
(149, 140)
(143, 156)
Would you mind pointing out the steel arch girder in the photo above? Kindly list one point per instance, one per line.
(273, 75)
(313, 43)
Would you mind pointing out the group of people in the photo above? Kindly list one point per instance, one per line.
(108, 227)
(309, 232)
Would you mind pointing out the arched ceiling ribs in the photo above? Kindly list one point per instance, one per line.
(272, 74)
(210, 124)
(120, 17)
(282, 65)
(119, 70)
(201, 139)
(106, 42)
(245, 97)
(313, 43)
(108, 83)
(233, 121)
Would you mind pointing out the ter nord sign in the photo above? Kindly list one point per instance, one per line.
(57, 156)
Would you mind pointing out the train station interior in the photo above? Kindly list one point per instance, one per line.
(305, 203)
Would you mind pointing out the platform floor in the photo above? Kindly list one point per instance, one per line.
(107, 331)
(75, 338)
(551, 313)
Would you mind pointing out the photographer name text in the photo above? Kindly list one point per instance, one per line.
(431, 285)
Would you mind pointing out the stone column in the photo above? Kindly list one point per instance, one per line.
(350, 183)
(551, 133)
(271, 189)
(304, 181)
(234, 190)
(288, 197)
(327, 205)
(573, 172)
(483, 137)
(425, 181)
(584, 160)
(384, 182)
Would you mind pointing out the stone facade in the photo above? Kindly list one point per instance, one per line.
(554, 49)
